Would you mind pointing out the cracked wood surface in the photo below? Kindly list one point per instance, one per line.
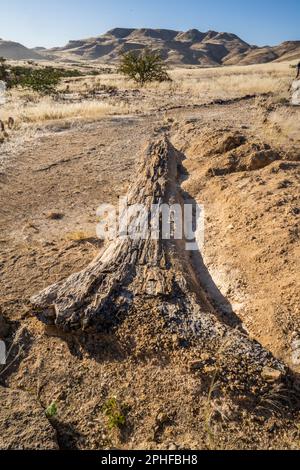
(131, 272)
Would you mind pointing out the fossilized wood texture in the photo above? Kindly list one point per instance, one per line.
(130, 272)
(128, 267)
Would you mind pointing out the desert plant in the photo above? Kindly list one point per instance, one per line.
(43, 81)
(51, 411)
(113, 411)
(143, 67)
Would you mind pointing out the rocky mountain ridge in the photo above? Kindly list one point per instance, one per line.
(177, 48)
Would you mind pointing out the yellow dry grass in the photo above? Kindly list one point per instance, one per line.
(188, 86)
(79, 236)
(48, 109)
(235, 81)
(216, 82)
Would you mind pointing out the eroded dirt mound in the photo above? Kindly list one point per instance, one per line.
(229, 152)
(251, 198)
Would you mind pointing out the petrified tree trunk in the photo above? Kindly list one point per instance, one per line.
(129, 267)
(131, 273)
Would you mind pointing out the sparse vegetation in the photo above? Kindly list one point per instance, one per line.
(43, 80)
(114, 413)
(47, 109)
(144, 67)
(89, 97)
(78, 236)
(51, 411)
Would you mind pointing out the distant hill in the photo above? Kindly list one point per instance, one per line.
(192, 47)
(15, 51)
(289, 50)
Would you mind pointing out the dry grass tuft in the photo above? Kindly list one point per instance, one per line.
(78, 236)
(204, 83)
(47, 109)
(235, 81)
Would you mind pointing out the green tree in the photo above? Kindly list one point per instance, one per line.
(143, 67)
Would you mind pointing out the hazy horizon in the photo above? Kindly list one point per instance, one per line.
(55, 23)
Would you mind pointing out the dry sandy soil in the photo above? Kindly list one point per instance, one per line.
(242, 163)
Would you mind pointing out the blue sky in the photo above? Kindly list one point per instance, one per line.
(52, 23)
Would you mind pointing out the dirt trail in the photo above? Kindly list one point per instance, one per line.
(49, 199)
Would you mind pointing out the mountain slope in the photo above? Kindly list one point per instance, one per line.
(289, 50)
(15, 51)
(192, 47)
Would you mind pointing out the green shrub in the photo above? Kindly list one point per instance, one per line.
(143, 67)
(114, 414)
(51, 411)
(43, 80)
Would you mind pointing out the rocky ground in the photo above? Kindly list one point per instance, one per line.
(166, 393)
